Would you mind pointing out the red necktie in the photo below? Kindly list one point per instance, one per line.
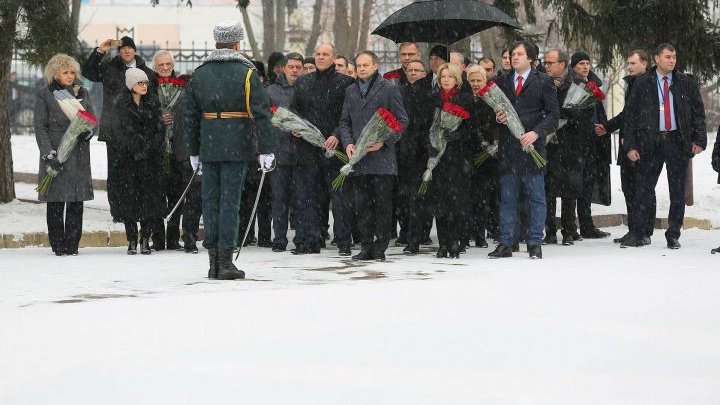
(519, 86)
(666, 104)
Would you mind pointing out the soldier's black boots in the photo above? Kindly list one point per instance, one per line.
(226, 268)
(213, 255)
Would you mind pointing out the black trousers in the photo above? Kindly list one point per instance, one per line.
(146, 228)
(174, 186)
(668, 151)
(628, 180)
(64, 220)
(373, 209)
(585, 199)
(567, 216)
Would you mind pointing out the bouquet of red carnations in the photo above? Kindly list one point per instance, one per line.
(83, 122)
(169, 89)
(582, 96)
(291, 122)
(378, 129)
(496, 99)
(446, 120)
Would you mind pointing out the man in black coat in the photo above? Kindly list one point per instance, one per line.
(665, 124)
(374, 175)
(534, 98)
(637, 64)
(319, 98)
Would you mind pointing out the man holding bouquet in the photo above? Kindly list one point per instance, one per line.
(375, 173)
(534, 98)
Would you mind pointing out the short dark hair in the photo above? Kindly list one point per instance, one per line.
(371, 54)
(420, 62)
(224, 45)
(343, 58)
(294, 56)
(467, 61)
(487, 58)
(506, 49)
(664, 47)
(530, 49)
(309, 59)
(640, 53)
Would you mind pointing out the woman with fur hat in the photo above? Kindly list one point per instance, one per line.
(73, 184)
(138, 149)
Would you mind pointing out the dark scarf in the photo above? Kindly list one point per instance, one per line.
(366, 85)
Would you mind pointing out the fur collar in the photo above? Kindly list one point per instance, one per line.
(228, 55)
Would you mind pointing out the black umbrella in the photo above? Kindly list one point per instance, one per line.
(442, 21)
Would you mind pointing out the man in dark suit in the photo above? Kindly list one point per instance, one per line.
(637, 64)
(665, 124)
(375, 173)
(534, 98)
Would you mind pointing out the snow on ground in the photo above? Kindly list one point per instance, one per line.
(582, 326)
(706, 189)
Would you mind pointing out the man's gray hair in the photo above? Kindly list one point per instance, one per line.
(326, 43)
(159, 54)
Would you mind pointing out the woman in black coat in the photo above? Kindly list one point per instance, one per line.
(73, 184)
(486, 189)
(448, 189)
(138, 154)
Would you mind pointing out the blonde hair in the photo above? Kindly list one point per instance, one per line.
(454, 70)
(476, 69)
(57, 64)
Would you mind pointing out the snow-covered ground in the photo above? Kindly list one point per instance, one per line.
(582, 326)
(706, 189)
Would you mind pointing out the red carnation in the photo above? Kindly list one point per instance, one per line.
(389, 119)
(273, 108)
(592, 85)
(485, 90)
(456, 110)
(392, 75)
(88, 117)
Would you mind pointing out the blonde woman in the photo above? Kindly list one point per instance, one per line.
(449, 186)
(73, 185)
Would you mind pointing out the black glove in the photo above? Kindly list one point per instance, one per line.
(52, 162)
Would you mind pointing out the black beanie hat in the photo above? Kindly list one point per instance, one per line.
(127, 41)
(577, 57)
(441, 52)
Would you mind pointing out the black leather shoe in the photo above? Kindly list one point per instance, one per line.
(595, 234)
(716, 250)
(455, 250)
(278, 248)
(550, 240)
(298, 250)
(673, 243)
(132, 247)
(621, 239)
(501, 251)
(400, 242)
(379, 256)
(442, 252)
(427, 242)
(145, 247)
(365, 254)
(344, 251)
(646, 240)
(62, 253)
(632, 241)
(567, 240)
(575, 236)
(535, 252)
(412, 249)
(173, 245)
(265, 244)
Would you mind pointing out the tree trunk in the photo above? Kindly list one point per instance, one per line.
(268, 27)
(8, 22)
(354, 26)
(364, 25)
(315, 30)
(280, 18)
(250, 34)
(75, 15)
(341, 27)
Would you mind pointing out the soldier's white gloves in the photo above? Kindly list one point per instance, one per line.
(196, 164)
(266, 161)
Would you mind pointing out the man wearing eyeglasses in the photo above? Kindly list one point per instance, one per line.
(409, 51)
